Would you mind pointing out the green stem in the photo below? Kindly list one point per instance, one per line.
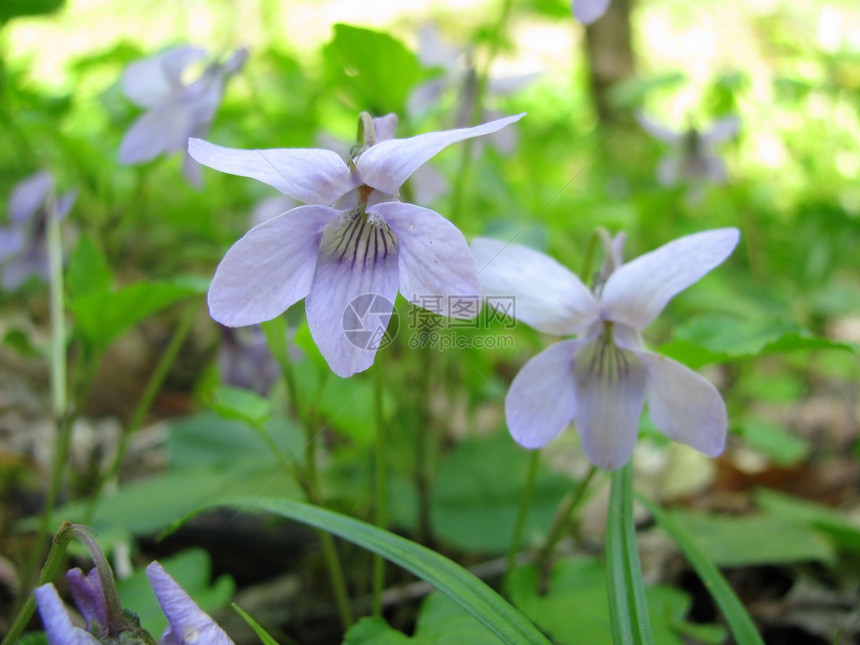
(522, 515)
(381, 497)
(482, 82)
(52, 565)
(144, 404)
(628, 610)
(560, 524)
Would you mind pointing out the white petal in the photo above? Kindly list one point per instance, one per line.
(639, 290)
(353, 293)
(722, 129)
(270, 268)
(587, 11)
(434, 261)
(546, 295)
(685, 406)
(308, 175)
(658, 130)
(542, 399)
(149, 82)
(385, 127)
(610, 384)
(388, 164)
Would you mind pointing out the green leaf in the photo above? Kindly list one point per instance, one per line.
(243, 405)
(823, 518)
(378, 69)
(14, 8)
(721, 339)
(102, 316)
(468, 591)
(628, 609)
(780, 445)
(375, 631)
(741, 625)
(261, 633)
(88, 271)
(748, 540)
(192, 570)
(443, 622)
(470, 493)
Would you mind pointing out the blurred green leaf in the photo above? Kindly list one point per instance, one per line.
(780, 445)
(88, 271)
(240, 404)
(720, 339)
(371, 630)
(13, 8)
(377, 68)
(470, 493)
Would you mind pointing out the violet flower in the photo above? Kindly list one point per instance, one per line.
(176, 109)
(692, 160)
(600, 380)
(353, 238)
(588, 11)
(23, 244)
(187, 623)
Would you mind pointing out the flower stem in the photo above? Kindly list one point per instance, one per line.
(628, 610)
(381, 497)
(522, 514)
(560, 524)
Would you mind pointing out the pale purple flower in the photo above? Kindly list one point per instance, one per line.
(176, 109)
(244, 359)
(23, 244)
(692, 159)
(187, 623)
(588, 11)
(600, 380)
(353, 238)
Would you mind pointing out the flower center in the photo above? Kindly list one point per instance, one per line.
(358, 239)
(603, 359)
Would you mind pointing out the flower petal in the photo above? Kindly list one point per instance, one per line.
(658, 130)
(11, 242)
(722, 129)
(685, 406)
(58, 625)
(352, 297)
(89, 598)
(188, 624)
(434, 261)
(610, 384)
(546, 295)
(28, 195)
(542, 399)
(588, 11)
(150, 81)
(270, 268)
(308, 175)
(639, 290)
(388, 164)
(165, 129)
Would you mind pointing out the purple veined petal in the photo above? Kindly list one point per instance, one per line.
(58, 625)
(388, 164)
(270, 268)
(722, 129)
(639, 290)
(610, 384)
(588, 11)
(542, 399)
(353, 293)
(434, 261)
(163, 130)
(28, 195)
(11, 242)
(545, 294)
(89, 598)
(684, 405)
(308, 175)
(658, 130)
(188, 624)
(149, 82)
